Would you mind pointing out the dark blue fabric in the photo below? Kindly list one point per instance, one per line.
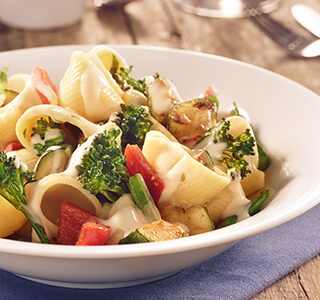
(238, 273)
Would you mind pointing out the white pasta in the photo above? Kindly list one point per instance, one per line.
(10, 113)
(59, 114)
(187, 182)
(89, 89)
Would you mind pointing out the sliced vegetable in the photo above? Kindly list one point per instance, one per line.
(142, 197)
(197, 218)
(137, 163)
(72, 217)
(54, 160)
(264, 160)
(44, 86)
(11, 146)
(257, 203)
(228, 221)
(13, 177)
(161, 95)
(93, 234)
(205, 158)
(154, 232)
(189, 120)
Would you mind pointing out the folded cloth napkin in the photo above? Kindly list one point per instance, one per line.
(238, 273)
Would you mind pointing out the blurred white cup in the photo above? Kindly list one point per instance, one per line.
(41, 14)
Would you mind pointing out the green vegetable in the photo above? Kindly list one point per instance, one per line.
(236, 148)
(125, 81)
(235, 110)
(12, 180)
(142, 197)
(134, 124)
(257, 203)
(205, 158)
(102, 171)
(154, 232)
(264, 160)
(54, 160)
(228, 221)
(42, 127)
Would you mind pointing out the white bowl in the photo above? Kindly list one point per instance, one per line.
(41, 14)
(285, 116)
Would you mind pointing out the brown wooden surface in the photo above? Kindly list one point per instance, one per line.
(153, 22)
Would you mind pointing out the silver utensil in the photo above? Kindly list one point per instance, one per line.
(307, 17)
(296, 44)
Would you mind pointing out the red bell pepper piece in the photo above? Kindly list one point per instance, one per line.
(41, 80)
(72, 217)
(11, 146)
(137, 163)
(93, 234)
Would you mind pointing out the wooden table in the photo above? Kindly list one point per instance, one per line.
(152, 22)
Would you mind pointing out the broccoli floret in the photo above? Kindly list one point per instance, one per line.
(125, 81)
(134, 124)
(42, 127)
(102, 170)
(237, 148)
(12, 178)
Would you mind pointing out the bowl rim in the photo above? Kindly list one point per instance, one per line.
(225, 235)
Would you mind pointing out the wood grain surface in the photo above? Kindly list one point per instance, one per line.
(158, 22)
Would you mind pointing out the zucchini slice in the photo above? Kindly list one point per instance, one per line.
(190, 120)
(54, 160)
(205, 158)
(196, 218)
(154, 232)
(162, 95)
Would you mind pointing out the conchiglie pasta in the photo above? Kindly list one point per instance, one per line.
(10, 113)
(11, 219)
(89, 89)
(59, 114)
(187, 182)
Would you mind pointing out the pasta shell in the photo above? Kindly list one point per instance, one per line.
(10, 113)
(187, 182)
(89, 89)
(70, 85)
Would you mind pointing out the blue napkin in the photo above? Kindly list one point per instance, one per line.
(238, 273)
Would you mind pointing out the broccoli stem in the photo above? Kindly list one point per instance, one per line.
(15, 194)
(228, 221)
(256, 204)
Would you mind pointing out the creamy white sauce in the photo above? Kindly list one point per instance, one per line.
(17, 161)
(162, 96)
(171, 166)
(239, 204)
(93, 82)
(49, 135)
(124, 220)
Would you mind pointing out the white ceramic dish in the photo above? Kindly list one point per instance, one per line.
(285, 116)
